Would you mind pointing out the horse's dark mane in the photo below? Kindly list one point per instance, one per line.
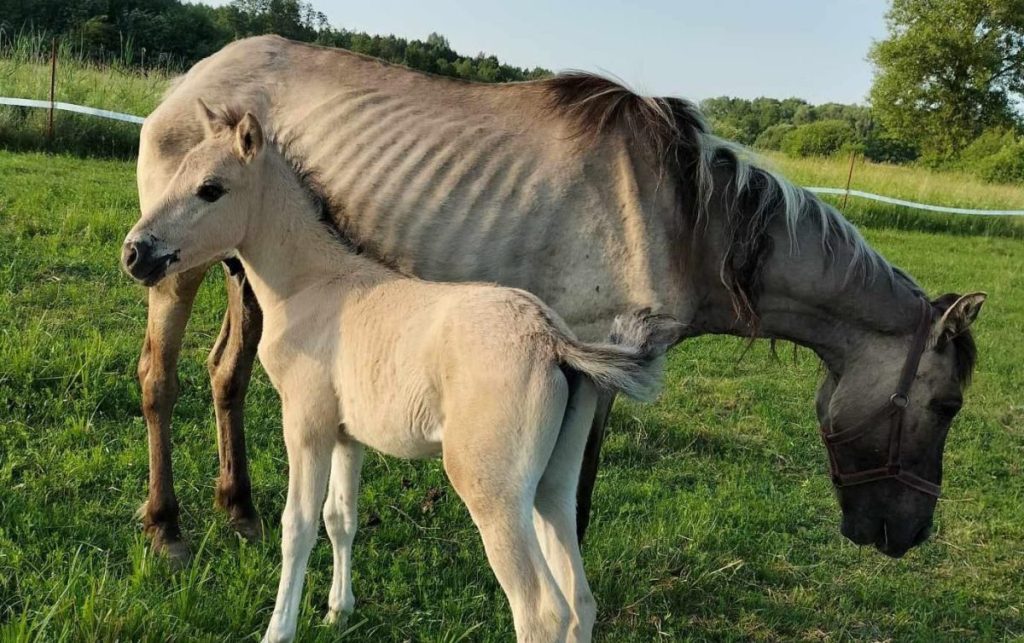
(328, 212)
(678, 138)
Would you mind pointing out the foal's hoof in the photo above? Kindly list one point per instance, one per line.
(250, 528)
(336, 618)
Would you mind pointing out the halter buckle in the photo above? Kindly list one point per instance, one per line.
(899, 400)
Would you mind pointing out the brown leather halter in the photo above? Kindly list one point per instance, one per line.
(893, 411)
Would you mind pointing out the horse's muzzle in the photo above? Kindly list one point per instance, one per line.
(890, 538)
(141, 261)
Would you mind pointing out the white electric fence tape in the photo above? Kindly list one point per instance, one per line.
(69, 107)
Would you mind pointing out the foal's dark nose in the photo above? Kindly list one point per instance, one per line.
(134, 254)
(140, 260)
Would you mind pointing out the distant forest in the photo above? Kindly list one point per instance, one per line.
(172, 34)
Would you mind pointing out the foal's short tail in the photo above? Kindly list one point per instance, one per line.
(632, 360)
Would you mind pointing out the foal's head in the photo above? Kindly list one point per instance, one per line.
(204, 211)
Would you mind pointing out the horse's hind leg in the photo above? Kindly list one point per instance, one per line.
(591, 462)
(230, 365)
(494, 457)
(170, 304)
(555, 515)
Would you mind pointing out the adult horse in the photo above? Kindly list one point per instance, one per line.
(597, 200)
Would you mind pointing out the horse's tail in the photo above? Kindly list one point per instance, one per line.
(633, 359)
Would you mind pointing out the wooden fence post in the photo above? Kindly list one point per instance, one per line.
(849, 178)
(53, 84)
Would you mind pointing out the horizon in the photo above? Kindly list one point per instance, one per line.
(816, 51)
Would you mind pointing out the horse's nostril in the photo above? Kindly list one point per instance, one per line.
(130, 254)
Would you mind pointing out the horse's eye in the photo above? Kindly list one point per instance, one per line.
(210, 192)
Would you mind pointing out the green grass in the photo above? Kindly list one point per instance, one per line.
(25, 73)
(714, 518)
(911, 183)
(908, 182)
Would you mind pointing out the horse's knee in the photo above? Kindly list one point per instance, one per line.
(340, 524)
(159, 389)
(228, 388)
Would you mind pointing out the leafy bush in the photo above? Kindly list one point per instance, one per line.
(996, 156)
(771, 138)
(1005, 166)
(989, 143)
(883, 148)
(821, 138)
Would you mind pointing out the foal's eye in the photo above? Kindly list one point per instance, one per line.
(210, 191)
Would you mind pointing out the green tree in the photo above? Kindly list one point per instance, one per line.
(949, 70)
(820, 138)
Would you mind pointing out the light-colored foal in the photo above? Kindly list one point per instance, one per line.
(488, 377)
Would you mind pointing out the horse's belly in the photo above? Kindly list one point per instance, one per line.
(400, 438)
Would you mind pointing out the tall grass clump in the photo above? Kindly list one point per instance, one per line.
(114, 82)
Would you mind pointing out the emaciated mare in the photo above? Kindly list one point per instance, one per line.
(363, 355)
(595, 199)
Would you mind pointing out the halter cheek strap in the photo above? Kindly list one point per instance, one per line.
(894, 411)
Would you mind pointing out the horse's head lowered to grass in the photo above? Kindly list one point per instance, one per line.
(884, 421)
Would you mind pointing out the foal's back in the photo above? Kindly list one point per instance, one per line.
(406, 356)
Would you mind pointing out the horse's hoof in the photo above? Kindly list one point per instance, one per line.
(175, 551)
(250, 528)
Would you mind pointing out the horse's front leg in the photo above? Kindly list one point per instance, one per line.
(170, 304)
(340, 520)
(308, 441)
(230, 365)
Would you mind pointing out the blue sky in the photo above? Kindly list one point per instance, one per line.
(814, 49)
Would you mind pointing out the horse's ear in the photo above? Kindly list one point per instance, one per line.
(248, 138)
(959, 316)
(211, 120)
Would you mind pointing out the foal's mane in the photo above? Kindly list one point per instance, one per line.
(678, 137)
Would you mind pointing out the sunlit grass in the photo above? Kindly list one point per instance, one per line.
(714, 518)
(956, 189)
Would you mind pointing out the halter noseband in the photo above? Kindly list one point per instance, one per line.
(894, 411)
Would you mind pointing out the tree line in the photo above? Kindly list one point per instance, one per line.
(172, 34)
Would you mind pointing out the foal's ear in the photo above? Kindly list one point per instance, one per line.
(248, 138)
(212, 121)
(958, 317)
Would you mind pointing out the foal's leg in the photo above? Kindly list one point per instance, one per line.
(230, 365)
(591, 462)
(340, 520)
(555, 515)
(170, 303)
(494, 460)
(308, 442)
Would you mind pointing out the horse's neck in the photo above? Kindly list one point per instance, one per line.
(287, 248)
(819, 296)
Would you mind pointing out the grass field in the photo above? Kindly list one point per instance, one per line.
(714, 517)
(25, 74)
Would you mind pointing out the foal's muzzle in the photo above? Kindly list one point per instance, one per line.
(142, 261)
